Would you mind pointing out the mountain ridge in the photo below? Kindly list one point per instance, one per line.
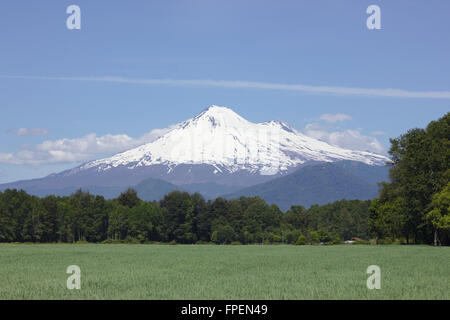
(320, 184)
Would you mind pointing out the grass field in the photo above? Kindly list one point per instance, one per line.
(223, 272)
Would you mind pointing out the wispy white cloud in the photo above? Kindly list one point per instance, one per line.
(78, 149)
(332, 118)
(29, 132)
(348, 91)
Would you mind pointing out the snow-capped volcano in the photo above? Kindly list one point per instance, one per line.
(215, 153)
(221, 138)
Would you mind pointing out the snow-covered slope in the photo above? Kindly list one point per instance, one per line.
(221, 138)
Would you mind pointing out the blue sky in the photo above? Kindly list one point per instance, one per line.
(55, 97)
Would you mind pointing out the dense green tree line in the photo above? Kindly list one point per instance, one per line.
(415, 206)
(179, 217)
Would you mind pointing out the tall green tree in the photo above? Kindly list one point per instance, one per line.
(439, 215)
(129, 198)
(420, 168)
(179, 216)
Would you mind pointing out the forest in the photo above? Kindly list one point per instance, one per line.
(413, 208)
(179, 217)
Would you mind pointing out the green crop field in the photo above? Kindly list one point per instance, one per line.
(223, 272)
